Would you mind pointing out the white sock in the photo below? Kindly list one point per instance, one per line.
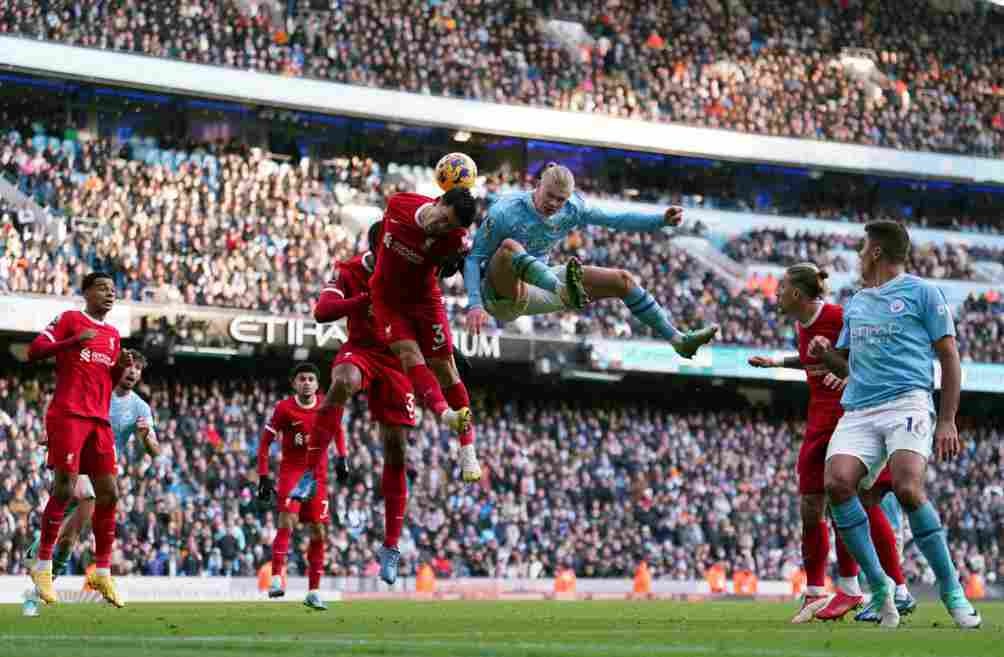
(316, 592)
(902, 591)
(815, 591)
(103, 572)
(849, 585)
(42, 566)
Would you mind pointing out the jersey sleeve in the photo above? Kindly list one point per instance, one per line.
(486, 242)
(936, 314)
(63, 326)
(638, 222)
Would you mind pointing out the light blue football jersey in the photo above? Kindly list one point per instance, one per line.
(513, 216)
(125, 411)
(889, 331)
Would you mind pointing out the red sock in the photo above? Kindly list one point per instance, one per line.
(427, 389)
(458, 398)
(846, 565)
(885, 543)
(315, 563)
(280, 546)
(104, 534)
(52, 520)
(394, 487)
(327, 425)
(815, 550)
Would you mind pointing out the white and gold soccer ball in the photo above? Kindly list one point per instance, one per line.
(456, 170)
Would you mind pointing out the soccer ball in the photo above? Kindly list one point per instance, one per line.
(456, 170)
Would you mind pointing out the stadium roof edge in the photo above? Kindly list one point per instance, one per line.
(132, 70)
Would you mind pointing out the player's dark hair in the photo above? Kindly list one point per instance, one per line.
(93, 278)
(892, 238)
(809, 279)
(138, 358)
(304, 367)
(463, 204)
(373, 235)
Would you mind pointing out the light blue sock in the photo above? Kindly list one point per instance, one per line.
(930, 538)
(893, 511)
(852, 523)
(648, 311)
(533, 271)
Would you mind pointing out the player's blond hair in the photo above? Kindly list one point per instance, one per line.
(558, 175)
(808, 278)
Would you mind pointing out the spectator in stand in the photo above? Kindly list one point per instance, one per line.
(759, 66)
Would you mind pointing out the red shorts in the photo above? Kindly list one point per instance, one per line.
(316, 508)
(426, 323)
(80, 445)
(391, 399)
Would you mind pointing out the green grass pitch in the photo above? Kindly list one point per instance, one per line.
(481, 629)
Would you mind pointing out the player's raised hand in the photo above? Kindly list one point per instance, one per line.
(86, 335)
(946, 440)
(674, 216)
(834, 382)
(476, 320)
(762, 361)
(819, 346)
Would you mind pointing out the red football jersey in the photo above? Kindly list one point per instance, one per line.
(824, 403)
(408, 257)
(293, 423)
(353, 280)
(84, 372)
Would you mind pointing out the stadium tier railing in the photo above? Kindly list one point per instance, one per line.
(131, 70)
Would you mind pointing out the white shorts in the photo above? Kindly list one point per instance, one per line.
(84, 489)
(536, 301)
(872, 434)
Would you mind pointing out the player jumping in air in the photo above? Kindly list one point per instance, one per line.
(507, 276)
(800, 296)
(419, 235)
(892, 330)
(293, 420)
(129, 416)
(365, 364)
(89, 361)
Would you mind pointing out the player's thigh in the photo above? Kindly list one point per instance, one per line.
(909, 429)
(499, 276)
(434, 336)
(288, 476)
(811, 466)
(66, 435)
(97, 455)
(317, 510)
(391, 399)
(855, 437)
(607, 283)
(349, 375)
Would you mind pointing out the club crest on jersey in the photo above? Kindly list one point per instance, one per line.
(897, 306)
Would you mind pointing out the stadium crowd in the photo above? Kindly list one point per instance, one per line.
(843, 71)
(598, 488)
(777, 246)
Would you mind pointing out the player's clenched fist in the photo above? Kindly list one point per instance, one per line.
(674, 216)
(819, 346)
(476, 320)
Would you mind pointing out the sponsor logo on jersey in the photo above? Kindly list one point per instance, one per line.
(403, 250)
(88, 356)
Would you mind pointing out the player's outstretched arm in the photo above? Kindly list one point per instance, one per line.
(638, 222)
(332, 305)
(946, 434)
(790, 362)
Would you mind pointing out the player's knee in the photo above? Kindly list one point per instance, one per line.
(340, 392)
(445, 371)
(394, 446)
(625, 281)
(62, 487)
(910, 493)
(510, 247)
(318, 532)
(839, 487)
(812, 509)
